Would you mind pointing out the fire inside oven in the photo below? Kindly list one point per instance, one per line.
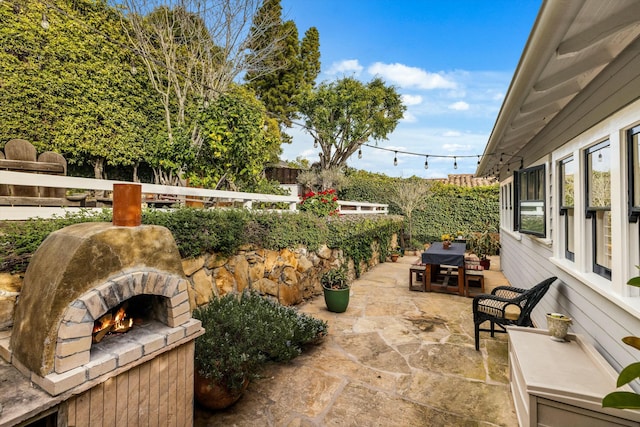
(125, 316)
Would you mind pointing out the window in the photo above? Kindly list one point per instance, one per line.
(633, 146)
(567, 177)
(598, 197)
(530, 206)
(506, 213)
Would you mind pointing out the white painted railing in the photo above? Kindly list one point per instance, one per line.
(155, 195)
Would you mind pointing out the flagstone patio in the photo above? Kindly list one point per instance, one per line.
(394, 358)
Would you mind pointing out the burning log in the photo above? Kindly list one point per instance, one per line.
(112, 324)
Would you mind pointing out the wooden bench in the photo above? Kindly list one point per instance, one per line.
(419, 271)
(21, 156)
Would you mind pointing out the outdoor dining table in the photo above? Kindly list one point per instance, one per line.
(435, 257)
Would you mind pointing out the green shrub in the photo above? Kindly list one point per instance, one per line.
(356, 235)
(245, 331)
(199, 231)
(20, 239)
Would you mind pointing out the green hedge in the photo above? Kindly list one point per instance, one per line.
(198, 231)
(450, 208)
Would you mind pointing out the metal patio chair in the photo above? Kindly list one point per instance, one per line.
(493, 307)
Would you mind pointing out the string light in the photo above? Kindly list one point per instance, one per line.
(521, 163)
(478, 160)
(360, 153)
(44, 23)
(315, 144)
(426, 162)
(501, 154)
(395, 159)
(455, 163)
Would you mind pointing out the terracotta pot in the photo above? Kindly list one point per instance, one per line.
(213, 395)
(394, 257)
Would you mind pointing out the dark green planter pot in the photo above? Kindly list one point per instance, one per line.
(337, 300)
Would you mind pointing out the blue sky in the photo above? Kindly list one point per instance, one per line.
(452, 61)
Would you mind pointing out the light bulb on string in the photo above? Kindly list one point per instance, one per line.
(600, 156)
(521, 163)
(501, 157)
(395, 159)
(360, 153)
(315, 144)
(455, 163)
(44, 23)
(478, 160)
(426, 162)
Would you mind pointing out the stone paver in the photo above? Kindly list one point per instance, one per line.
(394, 358)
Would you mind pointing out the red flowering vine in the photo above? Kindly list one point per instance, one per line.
(323, 203)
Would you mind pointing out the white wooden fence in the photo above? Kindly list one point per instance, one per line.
(153, 195)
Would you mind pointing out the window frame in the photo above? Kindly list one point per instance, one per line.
(564, 209)
(541, 175)
(633, 153)
(591, 212)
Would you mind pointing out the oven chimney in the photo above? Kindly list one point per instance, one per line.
(127, 205)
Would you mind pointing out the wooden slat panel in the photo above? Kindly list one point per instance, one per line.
(36, 201)
(163, 386)
(180, 385)
(143, 398)
(71, 412)
(25, 166)
(172, 389)
(110, 397)
(133, 400)
(189, 370)
(82, 409)
(96, 408)
(154, 392)
(122, 389)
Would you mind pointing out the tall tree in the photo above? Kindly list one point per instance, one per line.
(239, 139)
(295, 67)
(343, 115)
(68, 86)
(410, 195)
(193, 50)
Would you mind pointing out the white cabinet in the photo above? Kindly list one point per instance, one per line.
(561, 383)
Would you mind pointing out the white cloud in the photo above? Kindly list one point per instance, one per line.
(411, 99)
(409, 117)
(452, 133)
(348, 66)
(459, 106)
(405, 76)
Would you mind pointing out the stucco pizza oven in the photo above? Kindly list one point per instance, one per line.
(76, 279)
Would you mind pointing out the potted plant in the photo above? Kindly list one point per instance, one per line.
(395, 253)
(626, 399)
(484, 244)
(336, 288)
(242, 333)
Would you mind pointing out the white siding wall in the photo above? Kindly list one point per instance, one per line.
(603, 311)
(525, 262)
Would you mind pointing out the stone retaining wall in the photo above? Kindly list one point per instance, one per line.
(289, 276)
